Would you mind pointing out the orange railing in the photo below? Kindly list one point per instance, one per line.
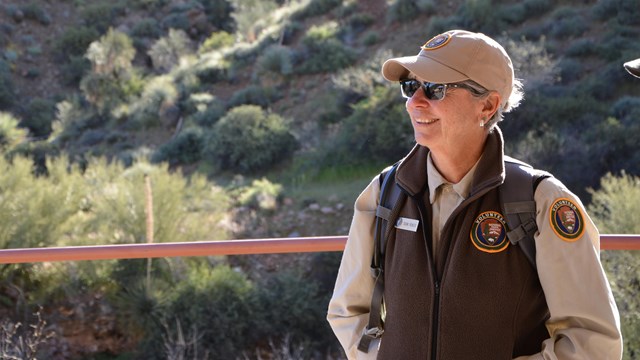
(228, 247)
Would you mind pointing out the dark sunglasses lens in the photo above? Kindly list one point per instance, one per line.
(409, 87)
(431, 91)
(434, 91)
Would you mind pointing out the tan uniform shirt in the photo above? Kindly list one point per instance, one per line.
(584, 321)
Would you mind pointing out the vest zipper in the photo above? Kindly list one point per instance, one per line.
(436, 283)
(436, 315)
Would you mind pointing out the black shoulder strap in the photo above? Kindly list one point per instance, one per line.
(518, 204)
(389, 205)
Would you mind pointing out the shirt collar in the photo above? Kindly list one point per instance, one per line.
(435, 179)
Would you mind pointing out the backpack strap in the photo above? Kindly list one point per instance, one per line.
(390, 203)
(518, 204)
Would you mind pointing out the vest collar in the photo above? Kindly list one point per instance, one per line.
(412, 171)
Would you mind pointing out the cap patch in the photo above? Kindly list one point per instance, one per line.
(566, 220)
(437, 42)
(489, 233)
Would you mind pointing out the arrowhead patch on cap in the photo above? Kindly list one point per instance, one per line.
(437, 42)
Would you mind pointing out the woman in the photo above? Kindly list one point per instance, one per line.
(453, 287)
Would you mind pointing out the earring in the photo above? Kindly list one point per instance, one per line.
(482, 121)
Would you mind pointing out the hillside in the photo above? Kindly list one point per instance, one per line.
(551, 42)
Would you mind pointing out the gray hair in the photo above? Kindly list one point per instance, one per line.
(511, 103)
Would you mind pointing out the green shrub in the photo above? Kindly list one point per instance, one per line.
(39, 116)
(100, 16)
(400, 10)
(203, 109)
(112, 55)
(147, 27)
(10, 134)
(473, 14)
(566, 22)
(316, 8)
(184, 149)
(611, 146)
(537, 7)
(261, 194)
(370, 38)
(582, 48)
(624, 11)
(102, 91)
(178, 21)
(219, 13)
(74, 42)
(358, 22)
(357, 83)
(361, 140)
(275, 61)
(324, 52)
(148, 4)
(291, 304)
(248, 139)
(252, 17)
(217, 40)
(74, 70)
(92, 137)
(513, 13)
(569, 70)
(253, 95)
(626, 109)
(220, 296)
(7, 94)
(159, 94)
(34, 12)
(166, 52)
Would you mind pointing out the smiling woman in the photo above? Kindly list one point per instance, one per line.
(456, 90)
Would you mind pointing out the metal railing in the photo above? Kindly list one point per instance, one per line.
(227, 247)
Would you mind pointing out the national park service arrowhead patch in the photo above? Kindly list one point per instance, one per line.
(437, 42)
(566, 219)
(489, 232)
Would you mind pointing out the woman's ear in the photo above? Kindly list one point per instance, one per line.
(491, 104)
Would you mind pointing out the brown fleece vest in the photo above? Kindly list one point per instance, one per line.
(470, 304)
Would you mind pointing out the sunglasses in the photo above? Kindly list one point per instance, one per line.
(432, 91)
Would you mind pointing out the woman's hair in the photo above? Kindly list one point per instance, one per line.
(511, 103)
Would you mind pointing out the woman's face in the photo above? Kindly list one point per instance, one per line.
(446, 125)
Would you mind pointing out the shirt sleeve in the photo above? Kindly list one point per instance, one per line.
(348, 312)
(584, 321)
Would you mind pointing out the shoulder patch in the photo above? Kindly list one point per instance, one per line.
(437, 41)
(489, 232)
(566, 219)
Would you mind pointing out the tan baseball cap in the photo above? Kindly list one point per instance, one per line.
(633, 67)
(455, 56)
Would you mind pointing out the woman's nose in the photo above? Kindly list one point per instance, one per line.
(419, 99)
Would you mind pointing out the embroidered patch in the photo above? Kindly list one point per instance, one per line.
(566, 220)
(437, 42)
(489, 232)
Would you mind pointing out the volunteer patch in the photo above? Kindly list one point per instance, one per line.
(489, 232)
(437, 42)
(566, 220)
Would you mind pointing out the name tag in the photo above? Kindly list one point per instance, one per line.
(407, 224)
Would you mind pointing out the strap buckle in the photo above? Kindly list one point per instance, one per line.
(374, 332)
(369, 335)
